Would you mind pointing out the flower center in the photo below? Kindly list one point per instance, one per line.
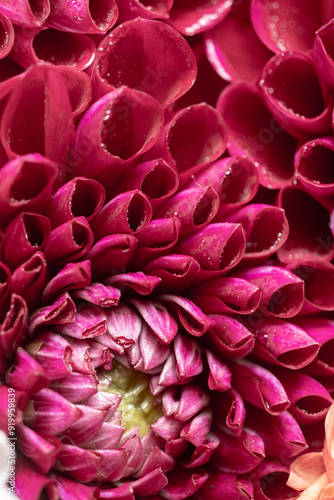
(138, 406)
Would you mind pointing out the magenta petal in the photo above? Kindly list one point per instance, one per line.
(123, 324)
(158, 318)
(313, 163)
(127, 213)
(27, 374)
(108, 437)
(321, 330)
(112, 254)
(228, 486)
(219, 373)
(25, 13)
(89, 322)
(75, 388)
(229, 337)
(182, 484)
(80, 360)
(13, 329)
(266, 228)
(68, 242)
(188, 357)
(192, 400)
(260, 387)
(113, 465)
(29, 280)
(194, 207)
(7, 35)
(72, 276)
(253, 131)
(26, 184)
(139, 282)
(83, 17)
(68, 489)
(150, 484)
(143, 8)
(24, 235)
(31, 483)
(123, 492)
(87, 425)
(80, 464)
(28, 115)
(197, 429)
(78, 197)
(227, 295)
(229, 411)
(323, 52)
(198, 16)
(62, 310)
(140, 43)
(53, 353)
(271, 477)
(42, 450)
(156, 458)
(5, 289)
(299, 107)
(79, 88)
(98, 294)
(113, 131)
(310, 236)
(176, 272)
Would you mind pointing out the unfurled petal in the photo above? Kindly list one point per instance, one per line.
(156, 458)
(84, 16)
(306, 470)
(228, 486)
(125, 492)
(113, 465)
(108, 437)
(266, 228)
(27, 374)
(53, 353)
(151, 483)
(78, 197)
(25, 13)
(86, 427)
(197, 429)
(26, 185)
(29, 279)
(113, 131)
(89, 322)
(72, 276)
(313, 166)
(31, 123)
(153, 352)
(229, 337)
(253, 131)
(260, 387)
(42, 450)
(139, 43)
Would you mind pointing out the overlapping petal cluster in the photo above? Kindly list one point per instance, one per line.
(167, 245)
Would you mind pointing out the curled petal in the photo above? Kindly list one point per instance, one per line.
(228, 486)
(310, 236)
(158, 318)
(108, 437)
(25, 13)
(124, 492)
(139, 43)
(227, 295)
(229, 337)
(192, 400)
(80, 359)
(69, 241)
(220, 374)
(68, 488)
(62, 310)
(111, 255)
(127, 213)
(78, 197)
(84, 16)
(229, 411)
(156, 458)
(322, 51)
(87, 425)
(144, 9)
(30, 278)
(53, 353)
(99, 294)
(79, 88)
(7, 35)
(26, 185)
(306, 470)
(113, 131)
(26, 374)
(201, 16)
(188, 357)
(151, 483)
(182, 484)
(254, 132)
(113, 465)
(139, 282)
(89, 322)
(42, 450)
(196, 431)
(269, 478)
(13, 329)
(313, 166)
(299, 108)
(260, 387)
(266, 228)
(31, 122)
(5, 289)
(176, 272)
(72, 276)
(78, 463)
(31, 482)
(123, 324)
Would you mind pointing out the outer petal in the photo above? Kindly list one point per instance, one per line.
(228, 486)
(7, 35)
(27, 15)
(72, 276)
(271, 476)
(183, 484)
(176, 272)
(30, 482)
(229, 337)
(29, 280)
(144, 9)
(313, 166)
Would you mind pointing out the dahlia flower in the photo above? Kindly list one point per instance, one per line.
(166, 249)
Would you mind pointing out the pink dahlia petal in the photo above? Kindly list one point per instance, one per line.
(150, 484)
(25, 13)
(253, 131)
(185, 405)
(300, 108)
(42, 450)
(7, 35)
(156, 458)
(158, 318)
(190, 19)
(182, 484)
(68, 489)
(31, 483)
(134, 448)
(313, 166)
(230, 411)
(310, 236)
(216, 247)
(282, 291)
(176, 272)
(80, 359)
(229, 337)
(194, 207)
(235, 179)
(203, 452)
(80, 464)
(282, 343)
(105, 401)
(227, 295)
(309, 398)
(72, 276)
(14, 326)
(76, 387)
(228, 486)
(113, 465)
(139, 282)
(84, 16)
(145, 9)
(69, 241)
(266, 228)
(113, 131)
(288, 25)
(89, 322)
(323, 51)
(123, 492)
(189, 314)
(155, 178)
(112, 254)
(188, 357)
(107, 437)
(159, 236)
(239, 454)
(197, 429)
(79, 88)
(99, 294)
(29, 279)
(50, 413)
(86, 427)
(153, 352)
(53, 353)
(260, 387)
(24, 235)
(234, 49)
(26, 185)
(26, 374)
(169, 375)
(270, 478)
(31, 124)
(78, 197)
(123, 324)
(127, 213)
(100, 355)
(195, 137)
(220, 375)
(6, 288)
(139, 43)
(282, 436)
